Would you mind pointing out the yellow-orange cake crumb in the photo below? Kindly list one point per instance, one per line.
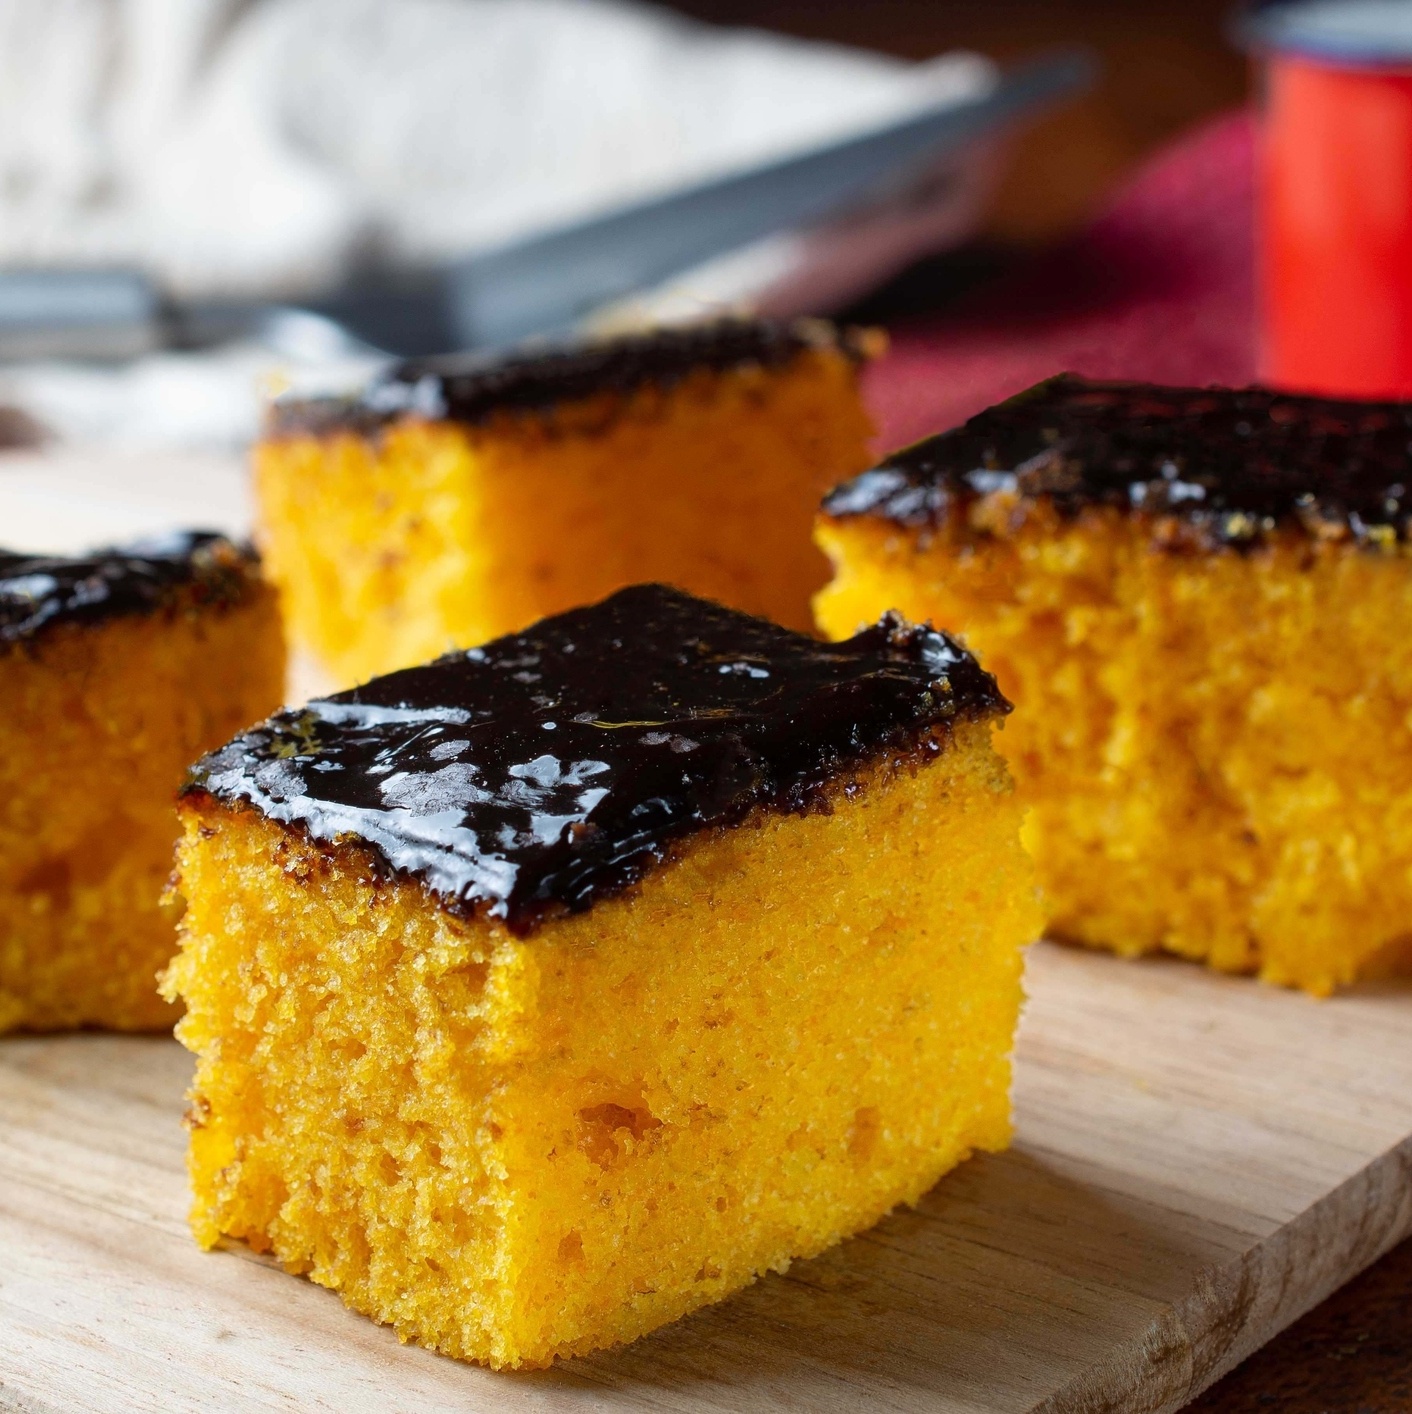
(1212, 689)
(486, 499)
(529, 1100)
(116, 672)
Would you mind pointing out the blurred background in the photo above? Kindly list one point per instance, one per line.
(205, 203)
(1166, 65)
(241, 150)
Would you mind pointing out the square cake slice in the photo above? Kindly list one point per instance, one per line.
(551, 990)
(1196, 599)
(117, 670)
(456, 500)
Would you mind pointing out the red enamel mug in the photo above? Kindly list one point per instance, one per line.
(1334, 213)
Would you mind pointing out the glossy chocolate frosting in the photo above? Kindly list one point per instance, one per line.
(1231, 465)
(39, 591)
(473, 388)
(555, 766)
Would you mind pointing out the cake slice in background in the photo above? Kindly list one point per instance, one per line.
(116, 671)
(451, 503)
(1197, 600)
(547, 992)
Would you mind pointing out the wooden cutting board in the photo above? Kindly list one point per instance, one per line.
(1200, 1159)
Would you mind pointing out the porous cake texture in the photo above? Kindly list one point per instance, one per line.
(547, 992)
(458, 500)
(117, 670)
(1195, 599)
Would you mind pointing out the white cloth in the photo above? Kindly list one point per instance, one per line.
(266, 146)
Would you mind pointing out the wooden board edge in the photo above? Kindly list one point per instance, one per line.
(13, 1401)
(1238, 1308)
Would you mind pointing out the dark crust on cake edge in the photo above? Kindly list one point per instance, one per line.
(259, 594)
(471, 391)
(210, 572)
(1187, 508)
(547, 766)
(923, 748)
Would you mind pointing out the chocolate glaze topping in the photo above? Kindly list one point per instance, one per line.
(471, 388)
(37, 591)
(1230, 465)
(556, 766)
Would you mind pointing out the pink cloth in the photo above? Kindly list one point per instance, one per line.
(1161, 287)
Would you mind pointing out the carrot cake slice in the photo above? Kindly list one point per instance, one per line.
(116, 670)
(1193, 596)
(457, 500)
(551, 990)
